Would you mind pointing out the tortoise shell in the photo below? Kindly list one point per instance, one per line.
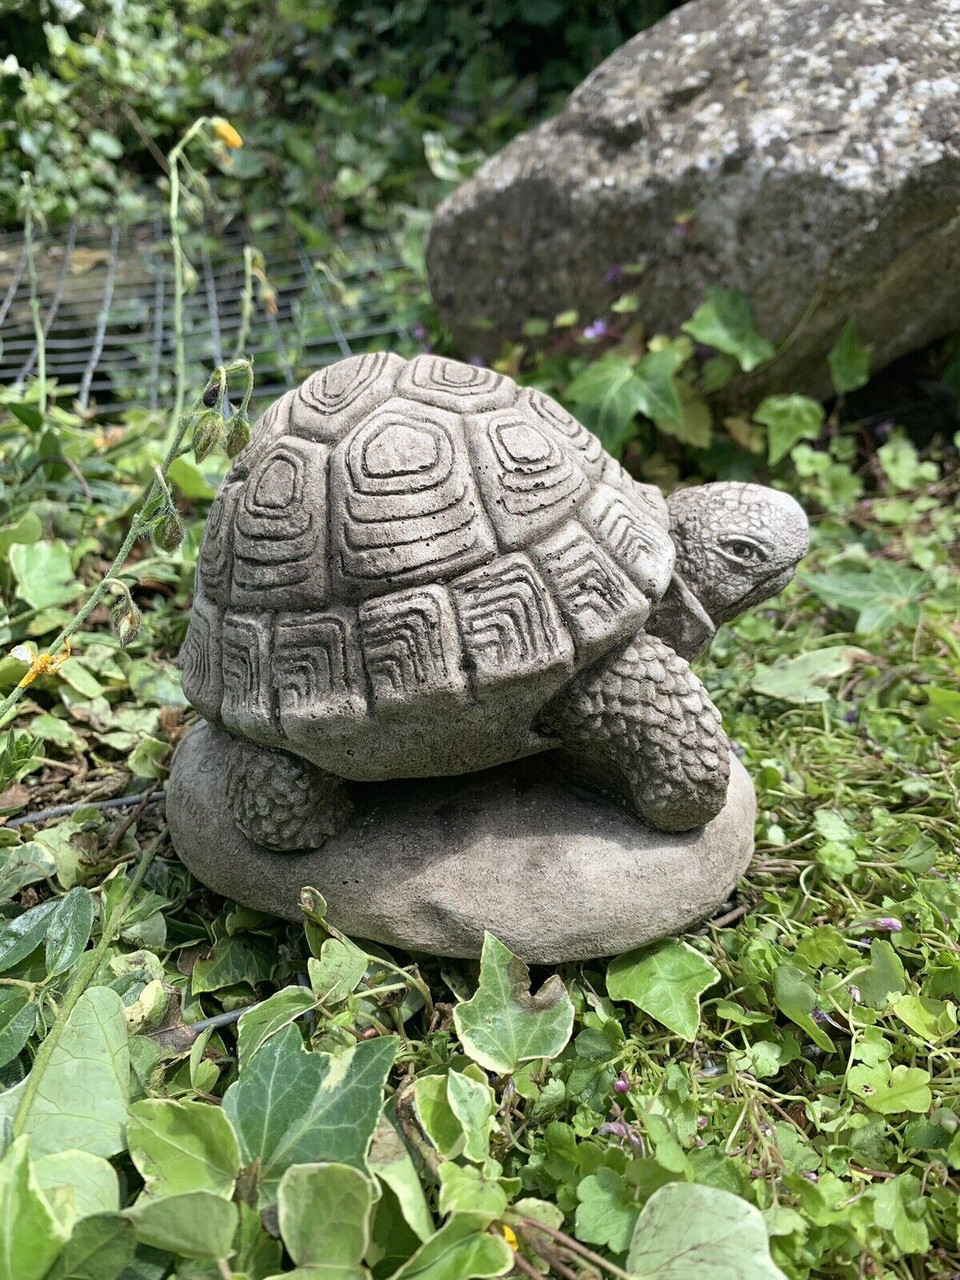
(407, 562)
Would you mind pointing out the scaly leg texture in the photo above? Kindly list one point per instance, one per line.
(281, 801)
(641, 723)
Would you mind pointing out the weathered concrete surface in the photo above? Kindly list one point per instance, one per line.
(806, 151)
(427, 865)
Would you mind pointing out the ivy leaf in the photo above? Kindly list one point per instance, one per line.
(504, 1024)
(890, 1091)
(44, 573)
(687, 1230)
(902, 466)
(797, 999)
(233, 960)
(81, 1100)
(611, 392)
(25, 933)
(338, 970)
(657, 394)
(31, 1237)
(182, 1146)
(99, 1249)
(462, 1247)
(197, 1224)
(92, 1180)
(788, 419)
(325, 1213)
(264, 1020)
(883, 597)
(69, 931)
(725, 321)
(390, 1160)
(18, 1018)
(436, 1116)
(849, 360)
(473, 1103)
(464, 1189)
(666, 982)
(929, 1019)
(291, 1106)
(802, 680)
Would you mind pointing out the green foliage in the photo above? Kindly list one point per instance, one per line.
(817, 1029)
(776, 1095)
(665, 981)
(293, 1107)
(505, 1024)
(725, 321)
(685, 1230)
(346, 109)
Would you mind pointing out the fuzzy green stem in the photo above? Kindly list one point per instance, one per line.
(77, 988)
(173, 159)
(40, 337)
(246, 302)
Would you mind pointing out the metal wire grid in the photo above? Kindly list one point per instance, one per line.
(106, 305)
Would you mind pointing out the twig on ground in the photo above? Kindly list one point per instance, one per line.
(62, 810)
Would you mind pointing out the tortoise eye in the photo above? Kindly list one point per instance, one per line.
(743, 550)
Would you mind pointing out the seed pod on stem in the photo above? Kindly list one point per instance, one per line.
(206, 433)
(168, 533)
(238, 434)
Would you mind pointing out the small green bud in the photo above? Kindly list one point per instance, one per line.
(238, 434)
(168, 533)
(127, 621)
(206, 433)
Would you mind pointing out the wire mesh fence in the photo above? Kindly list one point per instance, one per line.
(106, 307)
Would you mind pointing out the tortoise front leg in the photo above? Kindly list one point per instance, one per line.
(640, 723)
(281, 801)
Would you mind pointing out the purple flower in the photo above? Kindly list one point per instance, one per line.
(621, 1084)
(617, 1129)
(809, 1175)
(596, 330)
(420, 332)
(851, 716)
(737, 750)
(888, 924)
(613, 274)
(478, 361)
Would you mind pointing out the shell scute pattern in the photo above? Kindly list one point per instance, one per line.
(401, 535)
(404, 503)
(529, 479)
(279, 549)
(461, 388)
(587, 445)
(336, 398)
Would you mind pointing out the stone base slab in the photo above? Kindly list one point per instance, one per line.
(429, 864)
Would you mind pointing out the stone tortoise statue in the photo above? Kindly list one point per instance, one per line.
(420, 568)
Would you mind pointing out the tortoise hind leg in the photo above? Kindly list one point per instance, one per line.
(281, 801)
(641, 723)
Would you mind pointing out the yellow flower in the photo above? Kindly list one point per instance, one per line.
(226, 133)
(44, 664)
(510, 1236)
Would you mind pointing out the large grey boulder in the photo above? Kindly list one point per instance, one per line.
(805, 151)
(428, 864)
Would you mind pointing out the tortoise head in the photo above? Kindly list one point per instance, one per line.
(737, 544)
